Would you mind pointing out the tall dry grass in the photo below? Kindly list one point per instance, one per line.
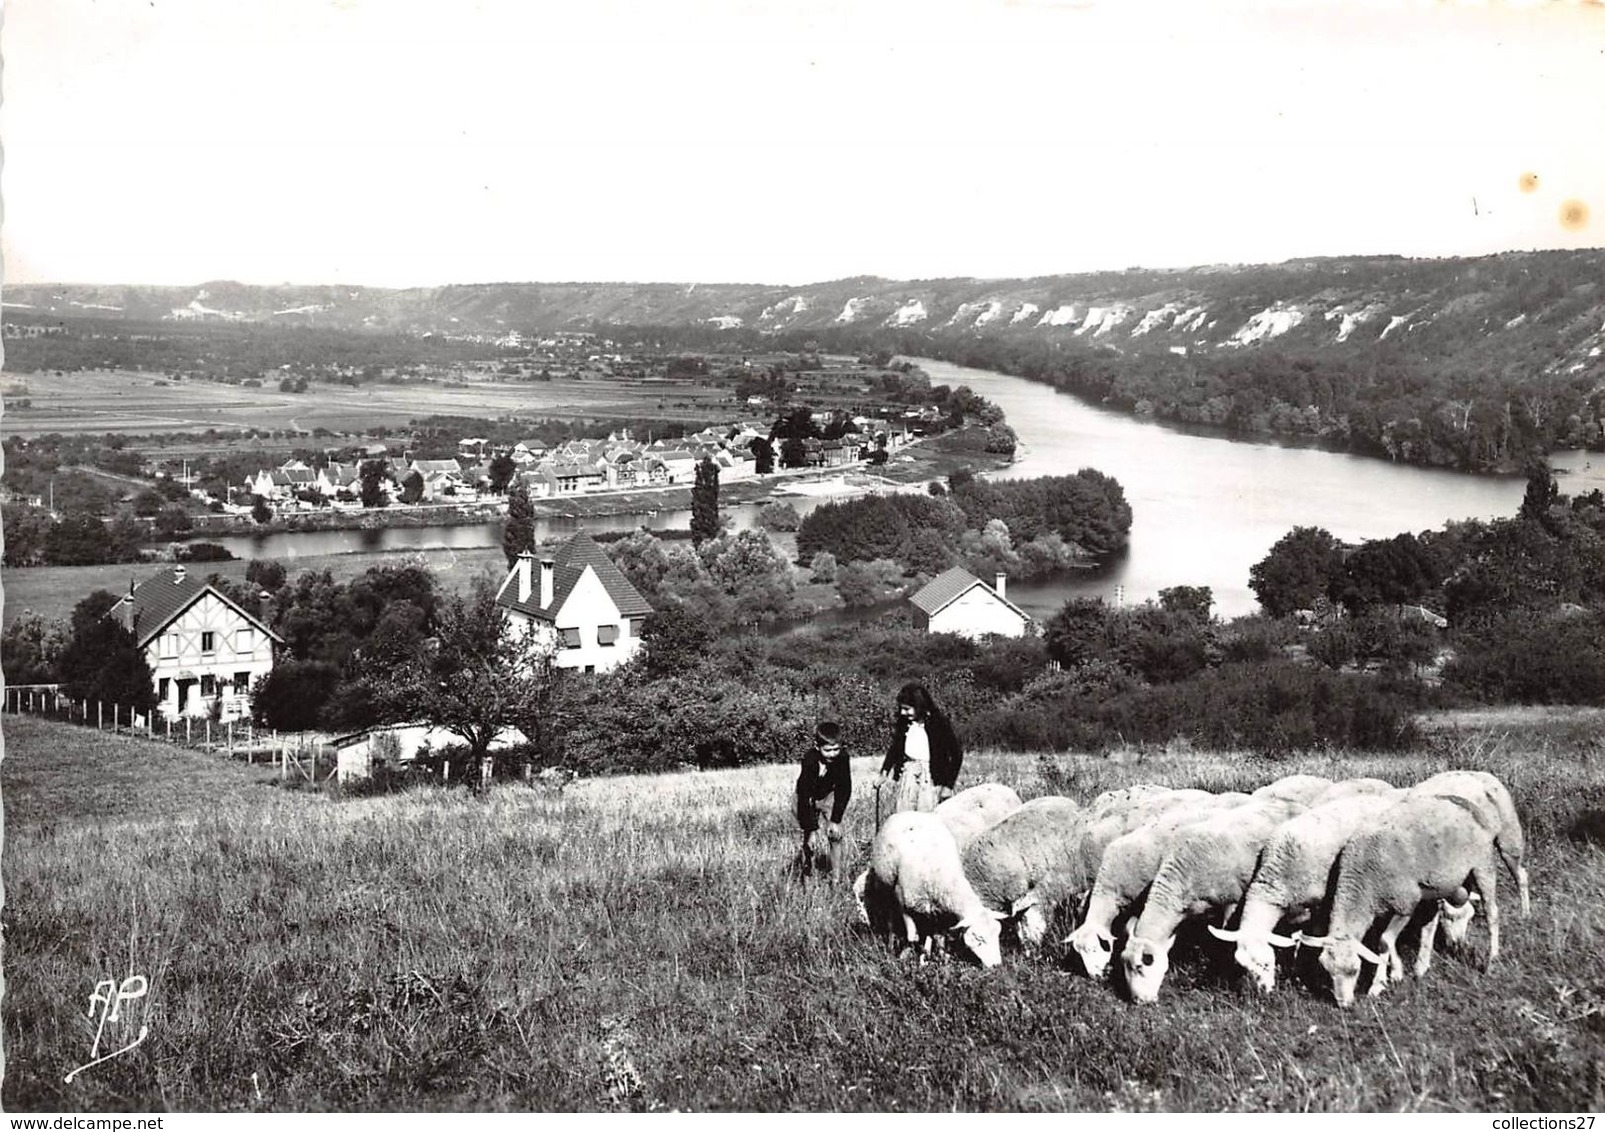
(641, 943)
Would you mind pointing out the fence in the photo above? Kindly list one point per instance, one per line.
(296, 756)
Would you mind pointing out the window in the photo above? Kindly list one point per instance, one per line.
(590, 668)
(169, 644)
(161, 690)
(607, 634)
(208, 685)
(636, 624)
(242, 683)
(208, 642)
(568, 638)
(244, 640)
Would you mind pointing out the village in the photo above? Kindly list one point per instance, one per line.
(619, 462)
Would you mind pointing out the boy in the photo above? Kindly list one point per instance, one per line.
(823, 790)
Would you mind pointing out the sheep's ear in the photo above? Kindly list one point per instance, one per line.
(1222, 933)
(1029, 900)
(1368, 955)
(996, 915)
(1316, 941)
(1282, 940)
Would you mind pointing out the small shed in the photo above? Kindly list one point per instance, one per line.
(359, 753)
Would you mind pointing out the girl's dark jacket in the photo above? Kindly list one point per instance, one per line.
(947, 755)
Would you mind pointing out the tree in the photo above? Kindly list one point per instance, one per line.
(174, 521)
(1305, 564)
(412, 486)
(78, 540)
(779, 516)
(763, 454)
(1078, 632)
(148, 502)
(371, 477)
(292, 696)
(266, 574)
(793, 452)
(260, 511)
(501, 471)
(1541, 493)
(705, 502)
(31, 649)
(104, 663)
(673, 642)
(483, 677)
(518, 532)
(1194, 601)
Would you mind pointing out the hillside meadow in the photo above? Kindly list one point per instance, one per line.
(642, 943)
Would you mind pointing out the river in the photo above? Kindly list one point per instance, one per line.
(1204, 508)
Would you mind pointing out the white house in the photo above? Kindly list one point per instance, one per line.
(956, 601)
(203, 648)
(578, 600)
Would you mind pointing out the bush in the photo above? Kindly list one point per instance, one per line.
(1526, 659)
(205, 552)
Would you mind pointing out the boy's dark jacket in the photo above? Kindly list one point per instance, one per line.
(819, 778)
(947, 755)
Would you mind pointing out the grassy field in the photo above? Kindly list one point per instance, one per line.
(639, 943)
(151, 404)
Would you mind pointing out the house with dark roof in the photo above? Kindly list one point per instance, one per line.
(204, 649)
(956, 601)
(579, 602)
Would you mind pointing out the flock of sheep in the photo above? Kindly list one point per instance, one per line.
(1270, 866)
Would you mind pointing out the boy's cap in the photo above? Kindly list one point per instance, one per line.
(828, 732)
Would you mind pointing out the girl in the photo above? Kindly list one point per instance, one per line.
(925, 755)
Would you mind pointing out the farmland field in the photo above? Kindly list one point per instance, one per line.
(151, 404)
(639, 943)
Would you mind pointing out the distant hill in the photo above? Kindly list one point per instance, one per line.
(1544, 310)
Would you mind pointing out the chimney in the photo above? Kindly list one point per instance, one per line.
(546, 583)
(523, 565)
(1003, 584)
(178, 574)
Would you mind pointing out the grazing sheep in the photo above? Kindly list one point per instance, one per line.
(1291, 882)
(1353, 788)
(1497, 811)
(1297, 787)
(1207, 867)
(1130, 796)
(916, 877)
(1425, 848)
(1119, 821)
(1124, 874)
(1026, 864)
(970, 811)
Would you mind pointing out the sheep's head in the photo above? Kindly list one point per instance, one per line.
(1146, 962)
(982, 934)
(1255, 954)
(1096, 948)
(1455, 919)
(1341, 958)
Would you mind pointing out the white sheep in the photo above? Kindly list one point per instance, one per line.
(1497, 810)
(1292, 879)
(1029, 862)
(1353, 788)
(915, 876)
(1425, 848)
(1207, 868)
(1126, 797)
(1297, 787)
(965, 814)
(1119, 820)
(970, 811)
(1124, 873)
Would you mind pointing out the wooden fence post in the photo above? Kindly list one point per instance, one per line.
(208, 731)
(188, 721)
(100, 715)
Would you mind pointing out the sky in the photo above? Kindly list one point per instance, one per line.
(399, 143)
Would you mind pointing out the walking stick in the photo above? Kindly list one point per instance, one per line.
(877, 805)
